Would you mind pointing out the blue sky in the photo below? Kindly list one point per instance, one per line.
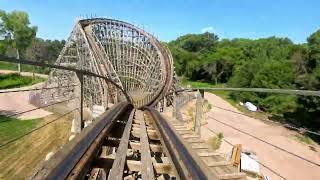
(168, 19)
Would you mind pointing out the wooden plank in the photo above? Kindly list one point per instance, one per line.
(152, 134)
(207, 154)
(232, 176)
(134, 166)
(182, 129)
(199, 146)
(218, 163)
(116, 171)
(147, 167)
(190, 136)
(153, 147)
(150, 130)
(186, 132)
(134, 145)
(195, 141)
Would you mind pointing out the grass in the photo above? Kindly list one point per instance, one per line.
(19, 160)
(15, 80)
(215, 141)
(12, 127)
(24, 68)
(199, 84)
(304, 139)
(8, 66)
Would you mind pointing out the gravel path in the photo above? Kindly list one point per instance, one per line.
(285, 164)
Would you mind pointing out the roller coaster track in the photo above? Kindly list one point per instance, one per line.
(127, 143)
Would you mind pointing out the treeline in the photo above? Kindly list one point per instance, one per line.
(263, 63)
(46, 51)
(18, 39)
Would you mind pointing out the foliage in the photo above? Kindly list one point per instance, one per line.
(12, 127)
(262, 63)
(17, 34)
(215, 141)
(15, 80)
(304, 139)
(15, 28)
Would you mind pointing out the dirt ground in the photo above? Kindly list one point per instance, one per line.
(288, 166)
(11, 103)
(15, 102)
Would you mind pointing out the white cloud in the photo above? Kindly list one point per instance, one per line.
(207, 29)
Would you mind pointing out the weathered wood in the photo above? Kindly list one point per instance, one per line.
(195, 140)
(135, 145)
(135, 166)
(151, 134)
(187, 162)
(207, 154)
(74, 158)
(147, 167)
(185, 136)
(198, 115)
(232, 176)
(116, 171)
(219, 163)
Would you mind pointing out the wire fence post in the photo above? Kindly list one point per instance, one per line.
(198, 116)
(80, 76)
(174, 106)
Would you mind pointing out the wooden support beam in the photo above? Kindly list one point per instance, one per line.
(147, 167)
(116, 171)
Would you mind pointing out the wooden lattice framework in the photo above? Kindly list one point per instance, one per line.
(139, 66)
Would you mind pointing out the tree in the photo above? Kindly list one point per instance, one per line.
(16, 29)
(314, 47)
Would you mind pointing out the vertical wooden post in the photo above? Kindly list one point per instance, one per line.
(80, 76)
(202, 93)
(174, 106)
(18, 57)
(198, 116)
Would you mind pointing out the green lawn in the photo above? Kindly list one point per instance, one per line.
(15, 80)
(8, 66)
(11, 127)
(199, 84)
(24, 68)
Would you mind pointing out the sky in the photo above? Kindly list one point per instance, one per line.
(169, 19)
